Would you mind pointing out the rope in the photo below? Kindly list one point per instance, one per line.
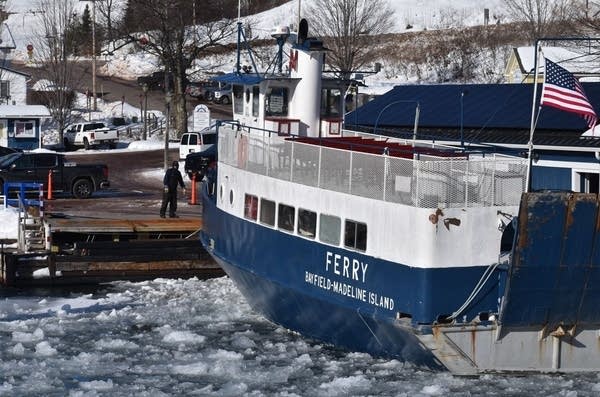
(482, 281)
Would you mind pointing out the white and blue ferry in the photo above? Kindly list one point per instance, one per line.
(396, 247)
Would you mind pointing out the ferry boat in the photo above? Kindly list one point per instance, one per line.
(400, 248)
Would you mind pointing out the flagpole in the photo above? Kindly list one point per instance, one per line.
(532, 126)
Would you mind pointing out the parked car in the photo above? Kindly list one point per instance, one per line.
(223, 94)
(79, 179)
(6, 150)
(195, 89)
(90, 134)
(155, 81)
(193, 142)
(199, 162)
(203, 90)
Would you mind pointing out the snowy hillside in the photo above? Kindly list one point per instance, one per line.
(416, 14)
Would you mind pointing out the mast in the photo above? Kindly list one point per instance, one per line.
(532, 125)
(239, 33)
(299, 17)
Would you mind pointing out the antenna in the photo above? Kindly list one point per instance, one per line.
(280, 33)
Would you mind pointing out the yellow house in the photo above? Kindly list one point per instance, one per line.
(520, 65)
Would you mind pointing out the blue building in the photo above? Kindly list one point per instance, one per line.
(20, 126)
(497, 115)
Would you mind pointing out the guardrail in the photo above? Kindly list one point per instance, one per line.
(422, 180)
(21, 189)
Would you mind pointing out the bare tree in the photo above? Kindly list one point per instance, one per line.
(350, 29)
(56, 66)
(543, 18)
(107, 10)
(167, 32)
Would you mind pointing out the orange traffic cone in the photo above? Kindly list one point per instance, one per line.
(193, 197)
(49, 184)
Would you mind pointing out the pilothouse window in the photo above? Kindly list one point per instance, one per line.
(330, 102)
(238, 99)
(255, 101)
(276, 101)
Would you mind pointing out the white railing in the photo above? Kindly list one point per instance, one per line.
(426, 182)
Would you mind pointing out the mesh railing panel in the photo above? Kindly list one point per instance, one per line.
(335, 170)
(429, 182)
(367, 176)
(305, 167)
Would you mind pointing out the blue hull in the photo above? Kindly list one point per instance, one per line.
(292, 282)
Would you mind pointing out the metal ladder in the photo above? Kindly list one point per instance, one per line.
(31, 228)
(32, 233)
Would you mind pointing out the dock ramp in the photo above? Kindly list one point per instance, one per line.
(549, 317)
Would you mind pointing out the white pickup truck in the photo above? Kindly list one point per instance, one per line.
(90, 134)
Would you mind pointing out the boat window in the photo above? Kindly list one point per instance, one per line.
(355, 235)
(209, 139)
(307, 223)
(276, 101)
(329, 229)
(250, 207)
(255, 101)
(238, 99)
(267, 212)
(285, 220)
(330, 102)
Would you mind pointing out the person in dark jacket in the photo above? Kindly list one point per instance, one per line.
(170, 181)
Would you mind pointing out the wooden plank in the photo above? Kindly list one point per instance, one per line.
(86, 225)
(139, 266)
(146, 243)
(136, 256)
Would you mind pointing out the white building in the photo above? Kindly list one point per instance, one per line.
(13, 87)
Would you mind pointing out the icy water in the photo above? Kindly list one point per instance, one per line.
(200, 338)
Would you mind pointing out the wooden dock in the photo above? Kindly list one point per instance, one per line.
(93, 250)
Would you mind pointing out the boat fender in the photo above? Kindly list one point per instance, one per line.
(242, 154)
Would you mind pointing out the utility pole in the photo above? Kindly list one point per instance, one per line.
(94, 53)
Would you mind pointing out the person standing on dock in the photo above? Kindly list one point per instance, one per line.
(170, 181)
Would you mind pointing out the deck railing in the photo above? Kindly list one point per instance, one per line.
(426, 181)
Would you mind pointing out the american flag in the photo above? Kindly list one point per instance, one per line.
(563, 91)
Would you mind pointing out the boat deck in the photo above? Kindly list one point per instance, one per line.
(378, 146)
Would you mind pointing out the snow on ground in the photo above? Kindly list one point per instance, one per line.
(410, 15)
(9, 221)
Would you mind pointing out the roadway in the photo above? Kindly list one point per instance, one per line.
(115, 89)
(135, 176)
